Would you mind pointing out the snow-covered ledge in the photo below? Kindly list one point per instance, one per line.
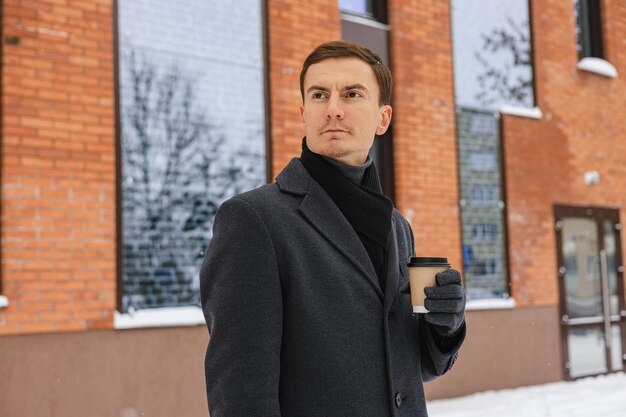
(4, 302)
(159, 317)
(491, 304)
(597, 66)
(530, 112)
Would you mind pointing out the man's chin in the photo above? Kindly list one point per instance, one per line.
(333, 149)
(343, 155)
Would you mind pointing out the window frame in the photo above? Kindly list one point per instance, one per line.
(162, 316)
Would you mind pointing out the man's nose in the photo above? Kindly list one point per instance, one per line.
(334, 108)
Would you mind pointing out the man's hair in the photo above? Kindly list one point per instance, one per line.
(344, 49)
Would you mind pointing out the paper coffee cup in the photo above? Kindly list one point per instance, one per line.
(422, 273)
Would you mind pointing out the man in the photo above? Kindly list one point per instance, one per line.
(304, 283)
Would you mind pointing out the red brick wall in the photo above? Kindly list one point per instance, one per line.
(424, 138)
(58, 144)
(58, 166)
(582, 130)
(424, 124)
(295, 29)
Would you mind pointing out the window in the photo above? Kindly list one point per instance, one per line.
(588, 28)
(192, 123)
(491, 46)
(482, 216)
(492, 66)
(485, 267)
(361, 7)
(370, 9)
(484, 195)
(482, 161)
(484, 232)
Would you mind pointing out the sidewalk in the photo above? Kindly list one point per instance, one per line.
(603, 396)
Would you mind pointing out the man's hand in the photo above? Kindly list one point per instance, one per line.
(446, 303)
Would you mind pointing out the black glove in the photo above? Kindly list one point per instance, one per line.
(446, 303)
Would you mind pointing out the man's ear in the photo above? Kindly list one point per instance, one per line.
(302, 116)
(385, 120)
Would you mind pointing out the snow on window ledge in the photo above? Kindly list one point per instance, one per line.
(4, 302)
(491, 304)
(597, 66)
(159, 317)
(530, 112)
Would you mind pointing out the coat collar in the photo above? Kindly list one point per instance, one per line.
(324, 215)
(294, 178)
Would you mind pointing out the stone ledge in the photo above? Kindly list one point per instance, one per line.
(597, 66)
(530, 112)
(491, 304)
(159, 317)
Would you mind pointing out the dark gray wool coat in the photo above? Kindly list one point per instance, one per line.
(298, 324)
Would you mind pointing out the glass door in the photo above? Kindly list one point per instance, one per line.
(591, 286)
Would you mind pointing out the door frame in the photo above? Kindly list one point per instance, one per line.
(599, 214)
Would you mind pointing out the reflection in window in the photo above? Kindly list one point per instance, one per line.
(492, 49)
(484, 260)
(192, 135)
(482, 161)
(362, 7)
(484, 232)
(492, 68)
(484, 195)
(609, 246)
(582, 275)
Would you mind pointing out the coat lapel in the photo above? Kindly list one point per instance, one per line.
(324, 215)
(393, 268)
(318, 208)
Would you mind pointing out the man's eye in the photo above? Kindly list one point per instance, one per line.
(318, 95)
(354, 94)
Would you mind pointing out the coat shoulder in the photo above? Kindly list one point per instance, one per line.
(267, 200)
(402, 224)
(283, 194)
(406, 244)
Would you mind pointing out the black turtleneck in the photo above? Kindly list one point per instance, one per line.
(354, 173)
(363, 204)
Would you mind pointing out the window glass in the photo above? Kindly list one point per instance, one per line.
(362, 7)
(192, 135)
(484, 257)
(609, 245)
(491, 48)
(492, 68)
(588, 28)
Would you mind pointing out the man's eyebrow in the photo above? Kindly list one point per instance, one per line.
(317, 87)
(355, 87)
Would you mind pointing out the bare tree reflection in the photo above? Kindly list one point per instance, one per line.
(506, 80)
(177, 170)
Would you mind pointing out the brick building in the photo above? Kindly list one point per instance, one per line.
(125, 124)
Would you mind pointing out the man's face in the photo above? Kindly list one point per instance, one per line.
(341, 111)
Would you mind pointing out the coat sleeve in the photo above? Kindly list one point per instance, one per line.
(242, 304)
(437, 354)
(435, 360)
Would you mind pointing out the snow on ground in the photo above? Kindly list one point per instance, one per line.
(602, 396)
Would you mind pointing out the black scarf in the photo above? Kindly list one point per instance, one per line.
(364, 205)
